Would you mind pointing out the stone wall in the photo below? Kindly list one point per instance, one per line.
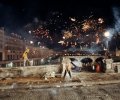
(116, 67)
(109, 68)
(33, 71)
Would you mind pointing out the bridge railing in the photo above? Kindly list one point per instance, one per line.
(32, 62)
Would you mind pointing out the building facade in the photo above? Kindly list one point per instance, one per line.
(117, 52)
(1, 44)
(12, 48)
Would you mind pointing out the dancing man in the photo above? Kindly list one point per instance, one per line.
(25, 56)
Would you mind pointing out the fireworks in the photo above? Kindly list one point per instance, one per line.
(72, 19)
(69, 32)
(92, 24)
(100, 20)
(42, 33)
(67, 35)
(97, 39)
(86, 26)
(61, 42)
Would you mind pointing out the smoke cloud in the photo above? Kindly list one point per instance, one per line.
(116, 14)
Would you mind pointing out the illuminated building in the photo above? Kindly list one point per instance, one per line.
(1, 44)
(12, 48)
(117, 52)
(15, 47)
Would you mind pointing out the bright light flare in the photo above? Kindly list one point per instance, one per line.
(73, 19)
(29, 32)
(107, 34)
(61, 42)
(100, 20)
(31, 42)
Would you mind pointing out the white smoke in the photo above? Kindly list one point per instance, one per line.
(116, 14)
(109, 37)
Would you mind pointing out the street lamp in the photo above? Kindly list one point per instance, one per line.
(107, 35)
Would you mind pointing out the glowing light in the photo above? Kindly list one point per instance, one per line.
(61, 42)
(38, 43)
(100, 20)
(107, 34)
(73, 19)
(31, 42)
(63, 37)
(29, 32)
(87, 35)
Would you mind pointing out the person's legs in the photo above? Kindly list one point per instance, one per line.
(69, 74)
(24, 62)
(28, 62)
(64, 74)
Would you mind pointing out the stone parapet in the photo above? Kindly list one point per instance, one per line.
(33, 71)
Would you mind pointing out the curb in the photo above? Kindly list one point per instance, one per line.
(57, 85)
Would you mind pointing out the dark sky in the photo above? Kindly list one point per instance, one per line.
(16, 13)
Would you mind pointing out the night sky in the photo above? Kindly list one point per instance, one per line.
(16, 14)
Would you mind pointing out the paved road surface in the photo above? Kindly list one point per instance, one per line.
(96, 92)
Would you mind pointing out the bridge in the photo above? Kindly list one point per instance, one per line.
(84, 60)
(81, 57)
(41, 66)
(48, 60)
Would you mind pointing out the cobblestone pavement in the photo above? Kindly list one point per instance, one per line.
(81, 77)
(96, 92)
